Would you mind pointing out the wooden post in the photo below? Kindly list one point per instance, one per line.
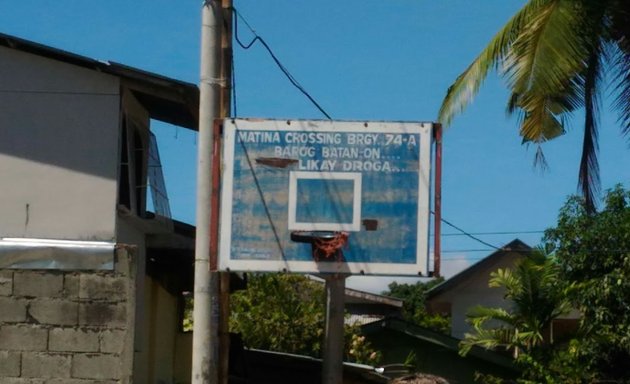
(437, 218)
(225, 98)
(332, 369)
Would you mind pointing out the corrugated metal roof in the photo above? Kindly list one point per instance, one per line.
(354, 296)
(437, 339)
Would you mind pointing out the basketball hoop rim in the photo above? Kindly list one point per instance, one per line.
(312, 236)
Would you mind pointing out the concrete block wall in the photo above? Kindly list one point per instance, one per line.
(70, 327)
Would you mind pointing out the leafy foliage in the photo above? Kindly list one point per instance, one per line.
(280, 312)
(414, 310)
(286, 313)
(536, 300)
(554, 55)
(590, 265)
(358, 349)
(593, 251)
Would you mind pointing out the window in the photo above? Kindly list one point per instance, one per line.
(133, 166)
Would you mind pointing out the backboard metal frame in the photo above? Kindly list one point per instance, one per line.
(263, 159)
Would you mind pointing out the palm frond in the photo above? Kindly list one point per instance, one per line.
(479, 315)
(621, 64)
(588, 180)
(489, 339)
(547, 54)
(503, 278)
(541, 68)
(540, 123)
(540, 161)
(466, 86)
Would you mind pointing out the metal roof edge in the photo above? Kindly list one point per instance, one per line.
(515, 245)
(106, 66)
(439, 339)
(184, 93)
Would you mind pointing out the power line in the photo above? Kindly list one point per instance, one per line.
(284, 70)
(295, 83)
(594, 251)
(262, 199)
(468, 250)
(492, 233)
(233, 71)
(467, 233)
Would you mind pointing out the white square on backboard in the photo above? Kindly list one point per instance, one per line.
(353, 226)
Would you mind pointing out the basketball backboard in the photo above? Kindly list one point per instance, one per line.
(367, 179)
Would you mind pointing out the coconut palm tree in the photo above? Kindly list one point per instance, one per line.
(532, 288)
(557, 57)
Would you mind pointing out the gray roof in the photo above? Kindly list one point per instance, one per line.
(515, 245)
(437, 339)
(166, 99)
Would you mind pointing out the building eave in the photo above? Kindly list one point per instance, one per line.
(515, 245)
(166, 99)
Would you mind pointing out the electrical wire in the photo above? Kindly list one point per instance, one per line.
(262, 199)
(234, 111)
(468, 250)
(467, 233)
(257, 38)
(593, 251)
(492, 233)
(474, 259)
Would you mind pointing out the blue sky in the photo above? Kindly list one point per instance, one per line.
(361, 60)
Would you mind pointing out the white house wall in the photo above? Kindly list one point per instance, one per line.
(59, 127)
(475, 291)
(469, 299)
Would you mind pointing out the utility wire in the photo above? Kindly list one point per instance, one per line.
(284, 70)
(474, 259)
(234, 111)
(593, 251)
(466, 233)
(492, 233)
(262, 198)
(468, 250)
(293, 80)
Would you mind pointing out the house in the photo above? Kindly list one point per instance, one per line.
(436, 353)
(90, 279)
(469, 288)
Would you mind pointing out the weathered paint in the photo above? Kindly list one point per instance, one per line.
(58, 149)
(283, 176)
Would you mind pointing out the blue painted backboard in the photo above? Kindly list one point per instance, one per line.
(369, 180)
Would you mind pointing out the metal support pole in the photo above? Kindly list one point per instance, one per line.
(332, 370)
(205, 310)
(224, 111)
(226, 59)
(437, 219)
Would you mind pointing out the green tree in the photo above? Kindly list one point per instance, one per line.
(286, 313)
(414, 309)
(554, 55)
(589, 269)
(593, 251)
(537, 299)
(533, 290)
